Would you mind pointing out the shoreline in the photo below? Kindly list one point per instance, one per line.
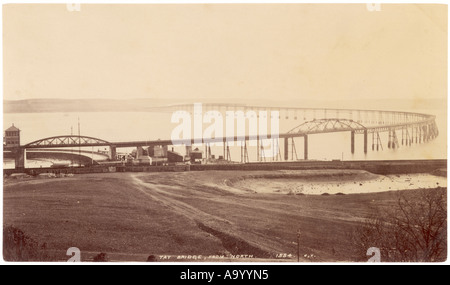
(358, 185)
(278, 182)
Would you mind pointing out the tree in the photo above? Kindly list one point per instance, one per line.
(17, 246)
(414, 230)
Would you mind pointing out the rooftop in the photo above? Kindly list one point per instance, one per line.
(12, 129)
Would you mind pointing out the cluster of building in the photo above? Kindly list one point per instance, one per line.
(151, 155)
(159, 155)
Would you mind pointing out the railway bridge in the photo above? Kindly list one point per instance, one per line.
(403, 128)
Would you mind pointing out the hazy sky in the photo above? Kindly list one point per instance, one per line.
(275, 52)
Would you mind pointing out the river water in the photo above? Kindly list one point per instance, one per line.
(135, 126)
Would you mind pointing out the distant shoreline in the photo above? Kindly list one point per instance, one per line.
(152, 104)
(81, 105)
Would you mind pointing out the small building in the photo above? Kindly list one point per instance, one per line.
(173, 156)
(12, 137)
(158, 151)
(196, 155)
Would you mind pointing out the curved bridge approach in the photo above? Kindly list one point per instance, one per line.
(403, 128)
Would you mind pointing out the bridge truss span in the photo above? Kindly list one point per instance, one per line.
(67, 141)
(327, 126)
(421, 129)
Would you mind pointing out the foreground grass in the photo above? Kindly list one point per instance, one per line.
(100, 215)
(111, 213)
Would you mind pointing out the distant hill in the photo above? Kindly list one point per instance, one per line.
(80, 105)
(142, 105)
(92, 105)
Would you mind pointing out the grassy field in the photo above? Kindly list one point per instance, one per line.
(130, 216)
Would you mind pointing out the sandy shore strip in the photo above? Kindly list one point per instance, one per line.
(292, 182)
(322, 182)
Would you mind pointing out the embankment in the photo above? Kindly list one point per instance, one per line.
(382, 167)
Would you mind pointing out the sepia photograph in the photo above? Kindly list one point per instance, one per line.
(224, 133)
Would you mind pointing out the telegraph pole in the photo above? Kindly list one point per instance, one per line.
(79, 143)
(298, 245)
(71, 149)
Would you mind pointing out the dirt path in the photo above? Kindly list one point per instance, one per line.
(234, 238)
(168, 199)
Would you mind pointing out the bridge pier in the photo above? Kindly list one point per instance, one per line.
(224, 149)
(373, 141)
(416, 134)
(305, 138)
(390, 139)
(352, 142)
(286, 149)
(258, 148)
(365, 141)
(420, 134)
(19, 158)
(278, 149)
(246, 159)
(403, 136)
(189, 150)
(412, 135)
(379, 142)
(435, 129)
(112, 152)
(293, 149)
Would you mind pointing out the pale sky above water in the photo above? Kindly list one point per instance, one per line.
(271, 51)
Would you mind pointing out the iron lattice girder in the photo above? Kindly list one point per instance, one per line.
(328, 126)
(67, 141)
(342, 125)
